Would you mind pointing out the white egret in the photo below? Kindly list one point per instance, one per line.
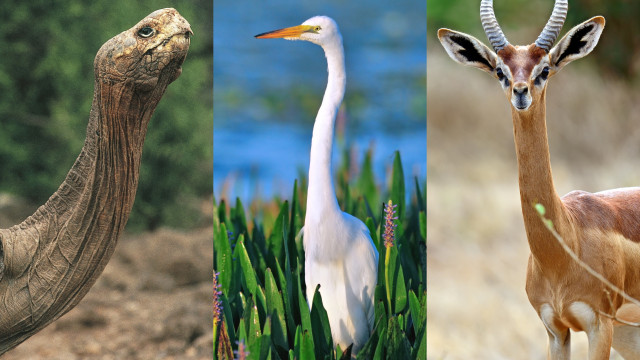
(339, 252)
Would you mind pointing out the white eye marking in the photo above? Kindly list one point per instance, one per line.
(502, 77)
(146, 32)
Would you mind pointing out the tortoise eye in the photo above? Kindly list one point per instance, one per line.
(146, 32)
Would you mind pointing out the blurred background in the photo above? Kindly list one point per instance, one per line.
(153, 299)
(477, 248)
(267, 92)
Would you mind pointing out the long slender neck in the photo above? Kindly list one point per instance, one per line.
(321, 194)
(53, 257)
(536, 182)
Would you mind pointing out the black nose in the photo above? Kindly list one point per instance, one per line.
(520, 91)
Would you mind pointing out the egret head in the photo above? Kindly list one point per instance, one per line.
(320, 30)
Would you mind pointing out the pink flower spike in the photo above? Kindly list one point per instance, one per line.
(389, 224)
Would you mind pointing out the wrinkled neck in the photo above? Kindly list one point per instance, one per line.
(105, 175)
(321, 195)
(54, 256)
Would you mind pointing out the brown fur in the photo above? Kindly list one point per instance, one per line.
(521, 60)
(603, 229)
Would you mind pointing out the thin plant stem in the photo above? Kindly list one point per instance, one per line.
(386, 276)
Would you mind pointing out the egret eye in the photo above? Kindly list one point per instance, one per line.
(146, 32)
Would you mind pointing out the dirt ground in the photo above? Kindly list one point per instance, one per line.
(153, 301)
(477, 249)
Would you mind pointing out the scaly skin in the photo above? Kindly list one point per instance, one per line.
(50, 261)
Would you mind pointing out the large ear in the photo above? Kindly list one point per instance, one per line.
(578, 42)
(467, 50)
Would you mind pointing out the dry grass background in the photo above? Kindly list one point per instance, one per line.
(477, 249)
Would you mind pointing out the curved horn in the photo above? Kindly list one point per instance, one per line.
(550, 32)
(490, 25)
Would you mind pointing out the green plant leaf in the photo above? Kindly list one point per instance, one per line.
(289, 246)
(297, 344)
(381, 315)
(242, 305)
(242, 331)
(294, 218)
(321, 328)
(228, 318)
(222, 212)
(367, 351)
(381, 280)
(372, 231)
(249, 278)
(397, 343)
(292, 288)
(420, 346)
(306, 347)
(254, 334)
(421, 204)
(540, 209)
(239, 218)
(366, 182)
(275, 242)
(423, 225)
(396, 279)
(380, 349)
(305, 316)
(261, 304)
(288, 300)
(224, 261)
(275, 308)
(417, 313)
(258, 262)
(397, 185)
(266, 339)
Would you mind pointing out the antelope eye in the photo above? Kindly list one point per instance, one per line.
(146, 32)
(544, 73)
(500, 74)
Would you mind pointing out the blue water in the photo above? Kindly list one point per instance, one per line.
(262, 133)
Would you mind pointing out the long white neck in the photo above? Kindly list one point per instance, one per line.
(321, 195)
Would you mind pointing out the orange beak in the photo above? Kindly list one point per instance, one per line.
(293, 32)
